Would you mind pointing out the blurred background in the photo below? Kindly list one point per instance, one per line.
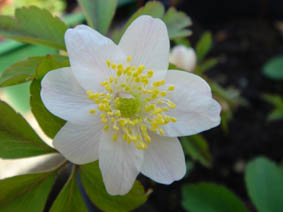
(246, 36)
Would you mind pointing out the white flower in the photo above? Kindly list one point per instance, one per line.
(124, 108)
(183, 57)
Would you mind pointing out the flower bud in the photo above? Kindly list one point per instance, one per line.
(183, 57)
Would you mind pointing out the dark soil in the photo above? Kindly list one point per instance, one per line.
(243, 45)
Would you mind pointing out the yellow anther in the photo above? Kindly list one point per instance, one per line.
(161, 132)
(141, 146)
(114, 66)
(106, 127)
(92, 111)
(108, 63)
(119, 72)
(115, 137)
(147, 139)
(129, 58)
(173, 119)
(115, 127)
(163, 93)
(120, 66)
(134, 68)
(150, 73)
(171, 105)
(171, 88)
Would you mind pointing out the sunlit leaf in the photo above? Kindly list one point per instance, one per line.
(34, 25)
(26, 70)
(207, 197)
(197, 147)
(17, 138)
(70, 198)
(203, 46)
(274, 68)
(99, 13)
(264, 181)
(26, 193)
(93, 184)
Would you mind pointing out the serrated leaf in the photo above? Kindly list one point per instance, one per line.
(49, 123)
(93, 184)
(208, 197)
(274, 68)
(264, 182)
(203, 46)
(176, 23)
(17, 138)
(197, 147)
(99, 13)
(34, 25)
(70, 198)
(26, 193)
(277, 102)
(25, 70)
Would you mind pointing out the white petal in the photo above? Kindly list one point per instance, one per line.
(63, 96)
(79, 142)
(195, 110)
(164, 160)
(146, 40)
(88, 51)
(119, 163)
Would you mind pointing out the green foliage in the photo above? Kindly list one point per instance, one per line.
(49, 123)
(92, 181)
(265, 185)
(277, 102)
(31, 68)
(203, 46)
(207, 197)
(196, 147)
(70, 198)
(17, 138)
(99, 13)
(34, 25)
(274, 68)
(205, 65)
(175, 21)
(26, 193)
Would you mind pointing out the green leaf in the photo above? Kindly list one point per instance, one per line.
(70, 198)
(26, 193)
(264, 181)
(93, 184)
(49, 123)
(99, 13)
(277, 102)
(176, 23)
(207, 197)
(25, 70)
(34, 25)
(274, 68)
(197, 147)
(203, 46)
(152, 8)
(17, 138)
(205, 65)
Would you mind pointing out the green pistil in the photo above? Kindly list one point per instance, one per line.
(128, 107)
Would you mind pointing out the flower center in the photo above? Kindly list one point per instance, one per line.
(131, 105)
(128, 107)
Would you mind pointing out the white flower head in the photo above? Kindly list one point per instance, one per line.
(183, 57)
(124, 108)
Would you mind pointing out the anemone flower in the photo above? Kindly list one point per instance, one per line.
(124, 107)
